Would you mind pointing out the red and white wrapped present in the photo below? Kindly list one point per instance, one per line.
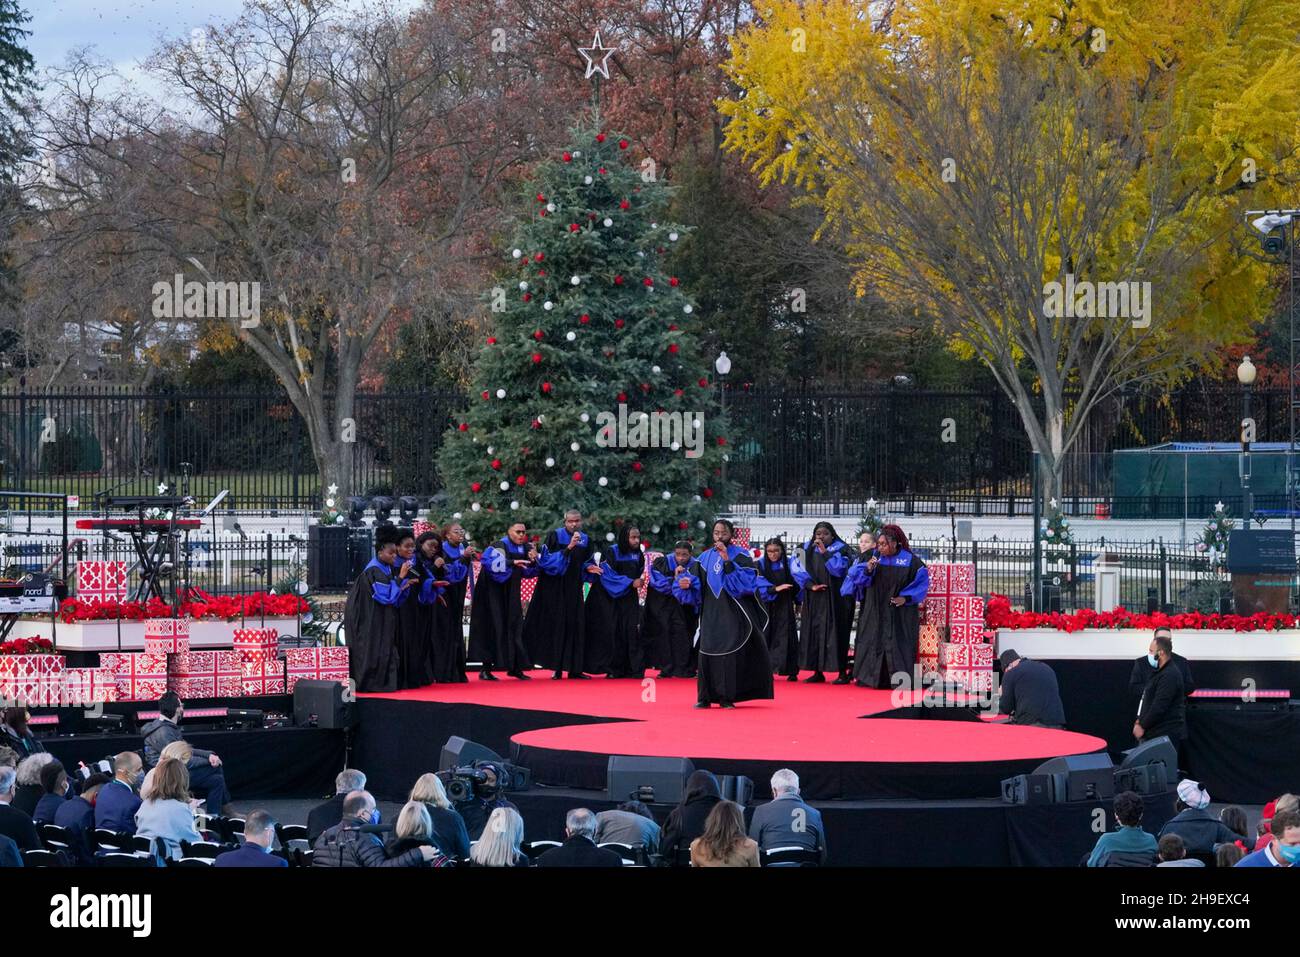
(101, 581)
(256, 644)
(318, 664)
(650, 559)
(527, 588)
(969, 679)
(419, 527)
(928, 644)
(206, 674)
(952, 578)
(166, 636)
(741, 537)
(262, 677)
(955, 655)
(82, 686)
(18, 667)
(140, 675)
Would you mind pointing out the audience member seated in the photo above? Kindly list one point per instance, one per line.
(8, 757)
(579, 848)
(414, 830)
(17, 735)
(206, 777)
(1229, 854)
(15, 824)
(55, 788)
(488, 795)
(29, 782)
(350, 844)
(1129, 838)
(166, 811)
(1173, 853)
(119, 799)
(449, 831)
(1200, 830)
(1283, 847)
(77, 816)
(259, 838)
(630, 824)
(10, 856)
(723, 843)
(326, 815)
(686, 821)
(786, 821)
(501, 841)
(1234, 819)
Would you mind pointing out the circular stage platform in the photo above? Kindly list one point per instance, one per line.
(845, 742)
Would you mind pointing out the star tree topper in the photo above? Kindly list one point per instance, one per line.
(597, 52)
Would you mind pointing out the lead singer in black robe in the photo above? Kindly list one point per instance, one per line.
(496, 620)
(555, 626)
(782, 604)
(734, 664)
(370, 617)
(891, 583)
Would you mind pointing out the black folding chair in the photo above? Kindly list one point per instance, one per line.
(106, 840)
(789, 857)
(43, 858)
(55, 838)
(205, 849)
(118, 859)
(191, 862)
(535, 849)
(292, 836)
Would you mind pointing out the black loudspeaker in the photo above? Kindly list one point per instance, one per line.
(654, 780)
(328, 561)
(736, 788)
(1145, 779)
(1081, 777)
(320, 704)
(459, 752)
(1029, 789)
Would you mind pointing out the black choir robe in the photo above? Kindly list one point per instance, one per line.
(888, 636)
(496, 622)
(670, 617)
(449, 616)
(824, 638)
(613, 616)
(415, 630)
(734, 664)
(371, 629)
(782, 632)
(555, 625)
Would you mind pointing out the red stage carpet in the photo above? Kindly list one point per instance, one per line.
(804, 723)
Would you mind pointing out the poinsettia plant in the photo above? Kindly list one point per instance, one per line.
(199, 605)
(998, 613)
(27, 646)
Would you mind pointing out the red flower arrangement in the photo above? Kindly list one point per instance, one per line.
(999, 614)
(224, 607)
(27, 646)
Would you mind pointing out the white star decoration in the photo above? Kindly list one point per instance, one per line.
(333, 490)
(1218, 506)
(162, 488)
(871, 504)
(590, 55)
(1052, 503)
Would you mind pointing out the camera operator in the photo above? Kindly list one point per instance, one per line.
(489, 782)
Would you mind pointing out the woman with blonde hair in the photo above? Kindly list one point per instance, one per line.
(449, 831)
(414, 830)
(723, 843)
(166, 813)
(500, 844)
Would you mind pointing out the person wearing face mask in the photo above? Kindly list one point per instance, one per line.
(1145, 666)
(255, 851)
(415, 612)
(353, 843)
(55, 784)
(119, 799)
(77, 817)
(1283, 848)
(1163, 707)
(555, 626)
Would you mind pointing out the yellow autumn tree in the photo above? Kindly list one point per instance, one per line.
(1060, 184)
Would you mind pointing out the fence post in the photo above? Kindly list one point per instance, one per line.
(1164, 576)
(1036, 575)
(268, 561)
(975, 561)
(22, 434)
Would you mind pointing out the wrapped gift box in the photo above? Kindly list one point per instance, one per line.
(101, 581)
(741, 537)
(38, 692)
(206, 674)
(928, 645)
(82, 686)
(262, 677)
(419, 527)
(650, 559)
(320, 664)
(18, 667)
(256, 645)
(929, 665)
(955, 655)
(527, 587)
(166, 636)
(140, 675)
(971, 679)
(952, 578)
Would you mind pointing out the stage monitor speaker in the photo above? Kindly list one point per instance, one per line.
(1143, 779)
(320, 704)
(736, 788)
(1159, 750)
(1086, 777)
(459, 752)
(652, 780)
(1029, 789)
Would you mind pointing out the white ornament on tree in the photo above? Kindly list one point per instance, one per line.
(475, 506)
(585, 418)
(505, 486)
(516, 253)
(523, 286)
(514, 505)
(550, 463)
(501, 393)
(570, 335)
(602, 481)
(667, 495)
(548, 305)
(550, 207)
(608, 222)
(573, 447)
(575, 280)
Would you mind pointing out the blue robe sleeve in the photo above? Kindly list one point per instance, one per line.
(497, 564)
(801, 578)
(456, 571)
(387, 592)
(838, 564)
(660, 582)
(915, 592)
(857, 581)
(429, 591)
(742, 580)
(694, 597)
(553, 563)
(614, 583)
(765, 590)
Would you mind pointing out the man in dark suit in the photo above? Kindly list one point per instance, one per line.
(324, 816)
(57, 790)
(786, 821)
(119, 799)
(259, 835)
(579, 848)
(207, 779)
(1146, 666)
(77, 817)
(1030, 694)
(15, 824)
(1163, 708)
(10, 856)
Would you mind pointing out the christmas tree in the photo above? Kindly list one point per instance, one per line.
(1214, 537)
(1056, 528)
(590, 391)
(873, 518)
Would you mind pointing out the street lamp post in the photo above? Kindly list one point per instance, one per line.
(722, 365)
(1246, 376)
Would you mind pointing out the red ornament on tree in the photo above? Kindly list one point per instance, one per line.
(678, 392)
(584, 318)
(485, 395)
(537, 358)
(673, 282)
(600, 137)
(476, 487)
(708, 493)
(618, 280)
(541, 198)
(528, 297)
(619, 323)
(624, 204)
(492, 340)
(536, 424)
(622, 144)
(522, 480)
(496, 463)
(704, 383)
(681, 524)
(573, 227)
(567, 156)
(645, 386)
(722, 440)
(622, 397)
(537, 257)
(672, 327)
(537, 334)
(636, 466)
(647, 281)
(577, 476)
(546, 387)
(673, 348)
(464, 426)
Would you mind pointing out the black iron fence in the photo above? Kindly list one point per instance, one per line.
(793, 451)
